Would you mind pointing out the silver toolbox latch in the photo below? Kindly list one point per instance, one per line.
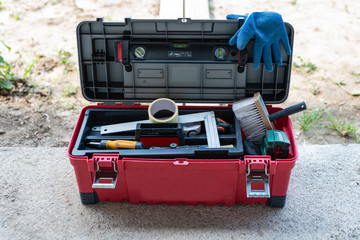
(106, 173)
(257, 175)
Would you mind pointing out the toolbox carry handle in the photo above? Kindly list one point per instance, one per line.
(111, 185)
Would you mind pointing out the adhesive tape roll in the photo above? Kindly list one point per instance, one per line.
(163, 110)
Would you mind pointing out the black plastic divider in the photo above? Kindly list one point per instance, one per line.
(98, 117)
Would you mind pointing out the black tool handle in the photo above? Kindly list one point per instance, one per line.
(288, 111)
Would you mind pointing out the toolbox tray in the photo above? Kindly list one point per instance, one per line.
(99, 117)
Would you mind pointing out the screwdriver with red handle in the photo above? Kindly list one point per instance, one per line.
(116, 144)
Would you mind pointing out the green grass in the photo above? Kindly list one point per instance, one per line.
(342, 126)
(28, 70)
(16, 17)
(1, 6)
(356, 73)
(69, 90)
(5, 45)
(108, 18)
(304, 65)
(69, 105)
(315, 89)
(6, 75)
(55, 2)
(61, 53)
(311, 119)
(63, 57)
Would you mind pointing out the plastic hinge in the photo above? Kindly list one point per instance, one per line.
(105, 171)
(257, 172)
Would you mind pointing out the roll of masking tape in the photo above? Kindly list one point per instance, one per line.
(163, 110)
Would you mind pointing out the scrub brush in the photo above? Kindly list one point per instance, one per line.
(254, 118)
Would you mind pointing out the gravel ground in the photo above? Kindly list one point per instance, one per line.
(39, 199)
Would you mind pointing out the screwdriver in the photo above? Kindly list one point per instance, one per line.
(116, 144)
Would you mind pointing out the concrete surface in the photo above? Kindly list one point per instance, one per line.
(39, 200)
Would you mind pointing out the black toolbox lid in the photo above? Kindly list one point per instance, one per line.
(187, 60)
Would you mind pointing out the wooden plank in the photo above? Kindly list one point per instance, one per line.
(171, 9)
(197, 9)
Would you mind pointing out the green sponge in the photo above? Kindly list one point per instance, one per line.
(276, 144)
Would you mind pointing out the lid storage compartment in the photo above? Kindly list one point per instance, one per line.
(187, 61)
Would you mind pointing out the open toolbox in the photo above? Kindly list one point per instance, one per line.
(123, 64)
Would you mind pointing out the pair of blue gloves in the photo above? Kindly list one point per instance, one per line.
(268, 29)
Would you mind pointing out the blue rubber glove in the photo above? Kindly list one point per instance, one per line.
(268, 29)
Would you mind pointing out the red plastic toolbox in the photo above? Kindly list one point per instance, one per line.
(176, 61)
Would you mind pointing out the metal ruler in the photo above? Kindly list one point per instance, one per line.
(207, 117)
